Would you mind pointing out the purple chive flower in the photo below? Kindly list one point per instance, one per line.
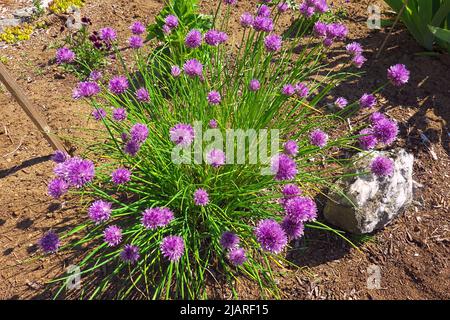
(271, 236)
(254, 85)
(376, 117)
(135, 42)
(99, 114)
(354, 48)
(306, 10)
(172, 247)
(118, 84)
(300, 209)
(213, 37)
(156, 217)
(223, 37)
(230, 2)
(120, 176)
(64, 55)
(166, 29)
(193, 39)
(282, 7)
(60, 156)
(367, 101)
(283, 167)
(130, 253)
(321, 6)
(301, 90)
(229, 240)
(327, 42)
(86, 89)
(289, 190)
(358, 60)
(182, 134)
(139, 132)
(382, 166)
(247, 20)
(79, 171)
(398, 74)
(142, 95)
(132, 147)
(367, 141)
(175, 71)
(215, 157)
(57, 187)
(100, 211)
(291, 148)
(193, 68)
(112, 235)
(137, 28)
(340, 103)
(288, 90)
(49, 242)
(318, 138)
(95, 75)
(320, 29)
(293, 229)
(214, 97)
(108, 34)
(263, 11)
(272, 42)
(119, 114)
(337, 31)
(237, 256)
(201, 197)
(171, 21)
(213, 123)
(263, 24)
(385, 131)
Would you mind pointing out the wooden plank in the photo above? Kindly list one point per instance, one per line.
(29, 109)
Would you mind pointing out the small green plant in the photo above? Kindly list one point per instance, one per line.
(38, 8)
(90, 52)
(189, 18)
(428, 21)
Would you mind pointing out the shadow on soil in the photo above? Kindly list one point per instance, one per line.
(25, 164)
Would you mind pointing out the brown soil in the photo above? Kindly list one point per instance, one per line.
(412, 252)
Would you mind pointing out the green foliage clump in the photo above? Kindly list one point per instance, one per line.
(428, 21)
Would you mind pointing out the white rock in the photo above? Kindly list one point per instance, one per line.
(366, 202)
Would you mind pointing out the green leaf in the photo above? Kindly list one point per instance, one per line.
(440, 33)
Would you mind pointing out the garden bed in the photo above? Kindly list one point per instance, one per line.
(412, 252)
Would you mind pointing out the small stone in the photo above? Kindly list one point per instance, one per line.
(24, 14)
(366, 202)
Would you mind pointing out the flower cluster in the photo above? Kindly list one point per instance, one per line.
(382, 130)
(330, 32)
(356, 51)
(230, 242)
(71, 172)
(170, 23)
(133, 141)
(64, 55)
(309, 7)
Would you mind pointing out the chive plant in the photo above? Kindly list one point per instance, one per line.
(166, 206)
